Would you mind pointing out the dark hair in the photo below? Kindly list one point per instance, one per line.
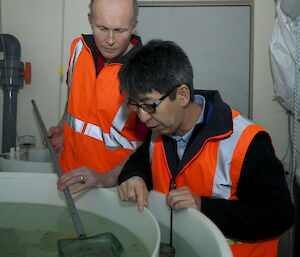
(159, 65)
(135, 10)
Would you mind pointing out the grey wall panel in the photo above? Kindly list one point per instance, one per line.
(217, 39)
(215, 35)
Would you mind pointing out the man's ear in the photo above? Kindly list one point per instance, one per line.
(90, 18)
(134, 27)
(183, 95)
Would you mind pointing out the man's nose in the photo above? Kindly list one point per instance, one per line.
(111, 38)
(144, 116)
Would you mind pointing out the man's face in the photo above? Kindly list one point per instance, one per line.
(112, 26)
(168, 116)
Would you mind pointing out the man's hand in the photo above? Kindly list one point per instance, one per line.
(56, 136)
(134, 190)
(86, 178)
(183, 198)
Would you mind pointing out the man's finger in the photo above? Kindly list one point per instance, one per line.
(121, 193)
(131, 190)
(140, 199)
(141, 195)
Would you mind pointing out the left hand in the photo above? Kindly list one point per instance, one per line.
(86, 178)
(56, 136)
(182, 198)
(134, 190)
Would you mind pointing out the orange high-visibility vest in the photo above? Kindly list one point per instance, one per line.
(99, 131)
(214, 172)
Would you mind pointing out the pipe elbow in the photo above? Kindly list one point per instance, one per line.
(11, 47)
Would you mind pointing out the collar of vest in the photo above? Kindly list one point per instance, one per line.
(90, 43)
(217, 124)
(218, 120)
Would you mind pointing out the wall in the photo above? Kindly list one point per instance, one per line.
(44, 21)
(266, 111)
(37, 25)
(40, 34)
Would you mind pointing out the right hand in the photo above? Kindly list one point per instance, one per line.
(134, 190)
(86, 178)
(56, 136)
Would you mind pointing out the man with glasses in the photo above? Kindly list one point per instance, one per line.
(202, 154)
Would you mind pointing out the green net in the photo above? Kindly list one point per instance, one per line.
(103, 245)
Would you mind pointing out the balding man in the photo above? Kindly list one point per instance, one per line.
(97, 132)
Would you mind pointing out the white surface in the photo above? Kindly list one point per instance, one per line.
(41, 189)
(20, 18)
(298, 176)
(266, 111)
(283, 57)
(223, 33)
(199, 233)
(38, 161)
(216, 40)
(37, 24)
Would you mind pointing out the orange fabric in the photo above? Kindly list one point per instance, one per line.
(258, 249)
(239, 156)
(199, 174)
(94, 100)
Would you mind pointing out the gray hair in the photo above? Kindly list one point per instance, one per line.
(135, 10)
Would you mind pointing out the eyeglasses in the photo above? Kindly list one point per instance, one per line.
(149, 108)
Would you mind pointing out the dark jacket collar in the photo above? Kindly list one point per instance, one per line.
(217, 123)
(90, 43)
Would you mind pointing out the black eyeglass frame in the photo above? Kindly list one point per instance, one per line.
(150, 108)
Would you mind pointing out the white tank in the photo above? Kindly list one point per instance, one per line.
(194, 234)
(35, 160)
(38, 188)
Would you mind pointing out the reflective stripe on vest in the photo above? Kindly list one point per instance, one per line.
(74, 123)
(74, 58)
(219, 180)
(121, 117)
(222, 182)
(114, 140)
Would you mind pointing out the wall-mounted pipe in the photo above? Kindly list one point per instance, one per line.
(11, 79)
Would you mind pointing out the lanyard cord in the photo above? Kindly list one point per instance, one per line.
(171, 228)
(172, 186)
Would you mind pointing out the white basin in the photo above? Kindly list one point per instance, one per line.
(37, 188)
(37, 160)
(194, 235)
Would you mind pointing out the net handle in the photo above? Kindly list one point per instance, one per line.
(70, 202)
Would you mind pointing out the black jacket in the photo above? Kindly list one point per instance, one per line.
(263, 209)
